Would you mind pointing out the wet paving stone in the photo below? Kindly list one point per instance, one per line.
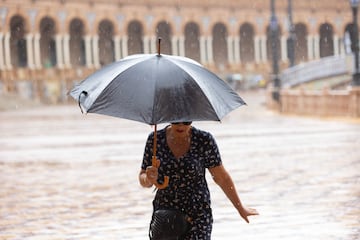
(64, 175)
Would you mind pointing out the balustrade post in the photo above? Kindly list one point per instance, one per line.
(354, 104)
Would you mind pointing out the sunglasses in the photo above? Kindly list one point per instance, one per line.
(184, 123)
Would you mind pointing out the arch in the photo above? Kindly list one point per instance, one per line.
(47, 42)
(270, 44)
(18, 49)
(326, 41)
(192, 42)
(247, 46)
(164, 31)
(135, 34)
(106, 42)
(301, 47)
(220, 54)
(77, 43)
(349, 38)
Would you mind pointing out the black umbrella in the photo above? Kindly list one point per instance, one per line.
(156, 88)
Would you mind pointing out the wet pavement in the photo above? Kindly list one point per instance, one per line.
(64, 175)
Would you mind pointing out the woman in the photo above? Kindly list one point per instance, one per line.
(183, 153)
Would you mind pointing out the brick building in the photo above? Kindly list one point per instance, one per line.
(55, 42)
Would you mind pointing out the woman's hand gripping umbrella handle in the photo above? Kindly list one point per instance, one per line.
(166, 178)
(155, 163)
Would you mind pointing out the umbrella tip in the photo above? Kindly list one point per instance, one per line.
(158, 47)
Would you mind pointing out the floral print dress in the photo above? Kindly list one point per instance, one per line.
(188, 190)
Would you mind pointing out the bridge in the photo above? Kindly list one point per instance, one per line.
(333, 72)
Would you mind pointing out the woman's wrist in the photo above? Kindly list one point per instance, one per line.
(239, 206)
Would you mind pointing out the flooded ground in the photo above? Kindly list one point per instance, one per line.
(64, 175)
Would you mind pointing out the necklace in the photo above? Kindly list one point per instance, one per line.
(179, 140)
(179, 146)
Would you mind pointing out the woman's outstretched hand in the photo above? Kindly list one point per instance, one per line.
(245, 212)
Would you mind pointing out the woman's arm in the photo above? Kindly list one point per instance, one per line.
(223, 179)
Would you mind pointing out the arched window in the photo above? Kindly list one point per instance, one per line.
(270, 45)
(163, 31)
(135, 38)
(47, 42)
(220, 46)
(192, 43)
(247, 50)
(301, 49)
(77, 44)
(349, 38)
(18, 48)
(106, 42)
(326, 40)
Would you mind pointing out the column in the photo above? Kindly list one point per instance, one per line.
(174, 45)
(8, 64)
(59, 52)
(347, 43)
(210, 49)
(2, 62)
(117, 48)
(336, 45)
(310, 47)
(317, 47)
(237, 50)
(341, 47)
(146, 41)
(263, 49)
(257, 49)
(230, 49)
(153, 45)
(37, 51)
(124, 46)
(66, 50)
(95, 50)
(203, 50)
(88, 55)
(182, 46)
(283, 47)
(29, 51)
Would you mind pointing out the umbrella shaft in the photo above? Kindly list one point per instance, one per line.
(154, 147)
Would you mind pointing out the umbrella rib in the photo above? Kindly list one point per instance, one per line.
(153, 120)
(189, 73)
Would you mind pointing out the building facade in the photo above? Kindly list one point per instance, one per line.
(58, 42)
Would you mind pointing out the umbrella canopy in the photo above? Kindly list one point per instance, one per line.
(154, 88)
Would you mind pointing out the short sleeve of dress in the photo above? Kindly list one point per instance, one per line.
(212, 154)
(147, 158)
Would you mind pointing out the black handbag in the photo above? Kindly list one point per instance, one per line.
(169, 225)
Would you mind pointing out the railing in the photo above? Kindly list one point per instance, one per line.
(314, 70)
(47, 85)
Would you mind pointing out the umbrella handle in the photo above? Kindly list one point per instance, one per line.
(166, 178)
(165, 183)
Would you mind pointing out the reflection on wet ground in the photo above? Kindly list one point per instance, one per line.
(70, 176)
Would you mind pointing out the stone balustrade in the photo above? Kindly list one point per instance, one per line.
(322, 103)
